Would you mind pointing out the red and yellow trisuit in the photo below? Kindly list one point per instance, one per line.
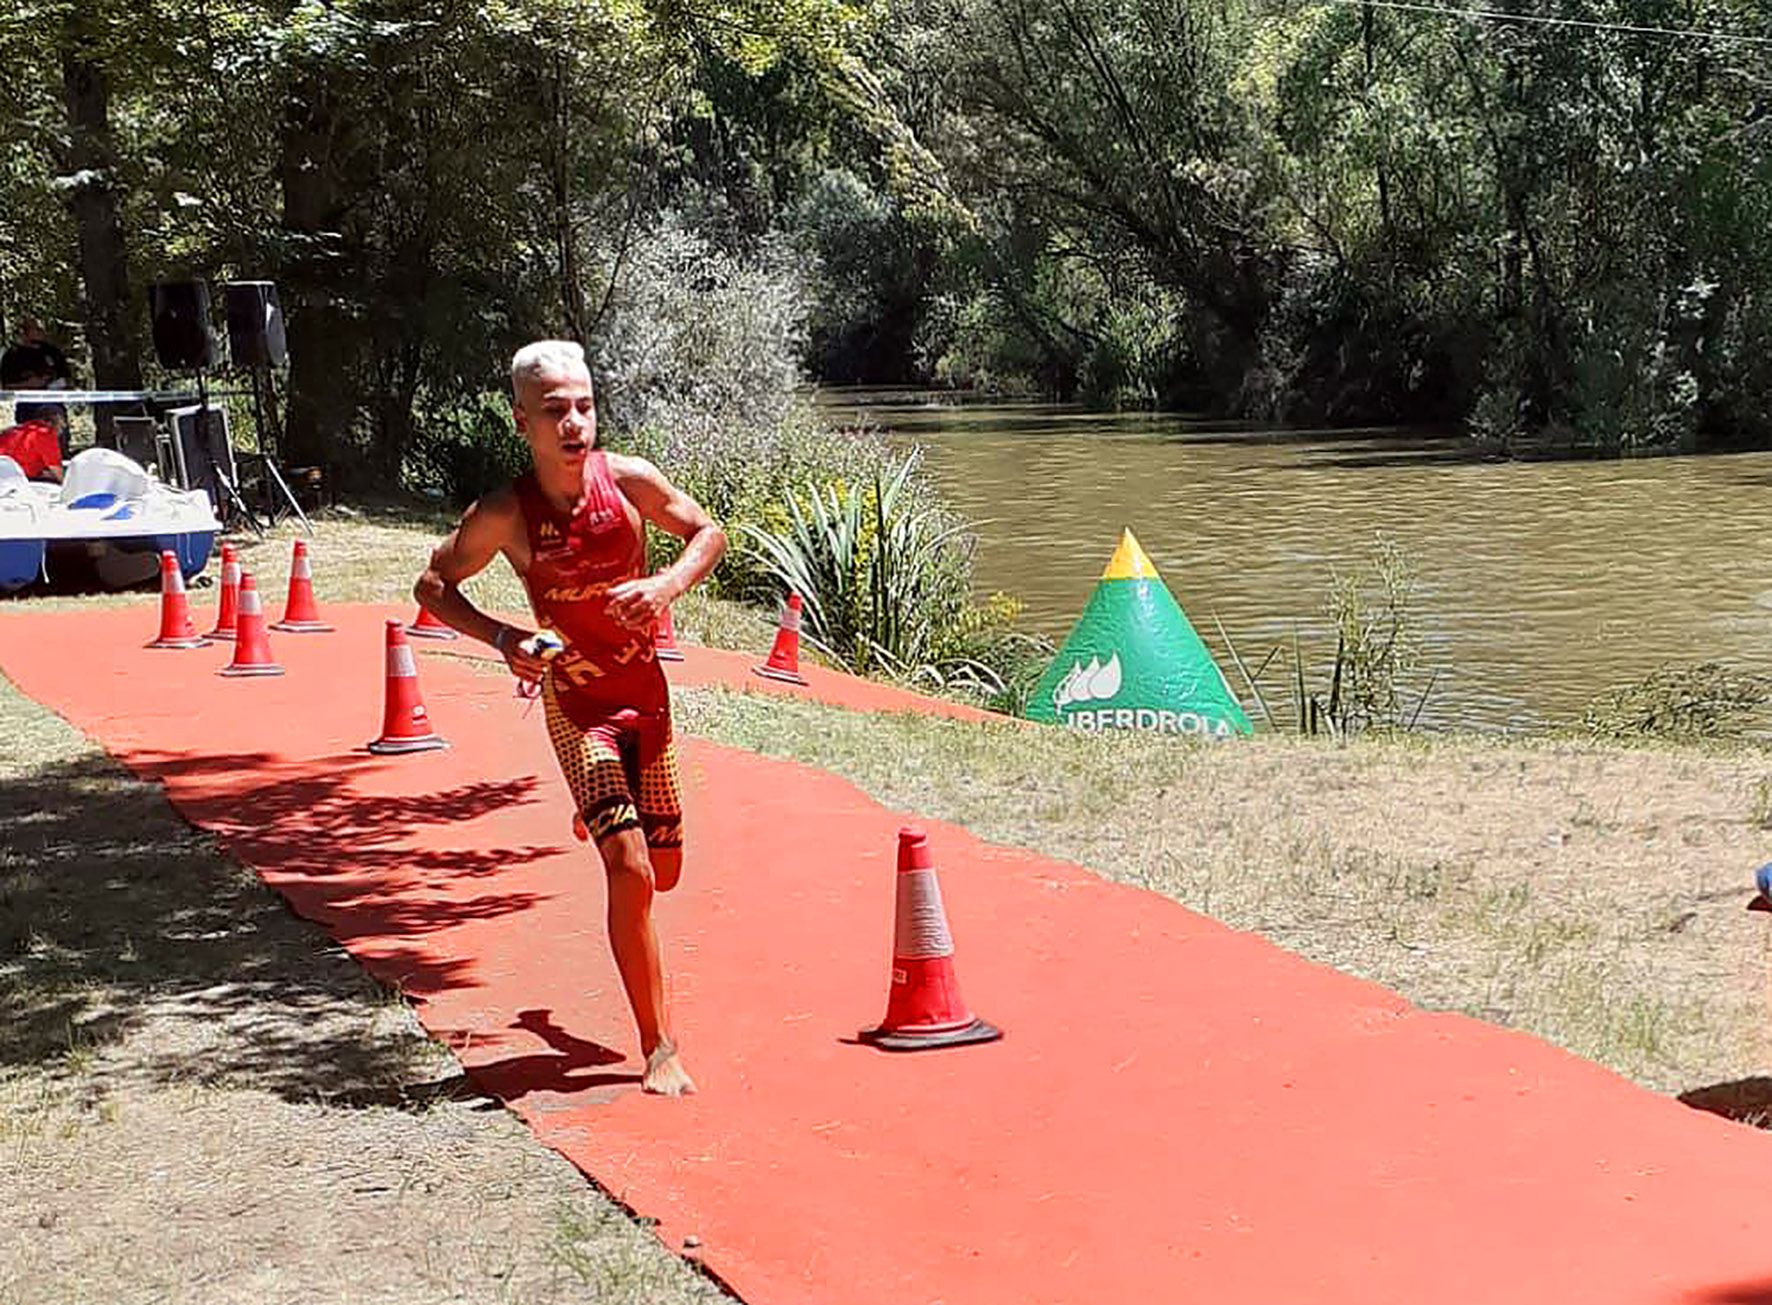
(608, 706)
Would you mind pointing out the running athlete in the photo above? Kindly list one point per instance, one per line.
(574, 529)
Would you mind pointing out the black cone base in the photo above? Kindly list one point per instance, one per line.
(907, 1040)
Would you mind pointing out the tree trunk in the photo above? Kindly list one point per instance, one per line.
(1381, 164)
(572, 303)
(321, 335)
(93, 204)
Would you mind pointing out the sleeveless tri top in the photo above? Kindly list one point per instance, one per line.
(607, 670)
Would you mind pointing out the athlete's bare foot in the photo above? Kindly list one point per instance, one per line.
(665, 1074)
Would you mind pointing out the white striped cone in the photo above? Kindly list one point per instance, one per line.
(923, 1005)
(252, 643)
(784, 658)
(664, 638)
(426, 626)
(227, 617)
(406, 725)
(301, 615)
(176, 627)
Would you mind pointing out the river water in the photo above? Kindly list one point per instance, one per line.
(1539, 584)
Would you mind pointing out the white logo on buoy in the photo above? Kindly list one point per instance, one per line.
(1091, 683)
(1095, 682)
(1147, 718)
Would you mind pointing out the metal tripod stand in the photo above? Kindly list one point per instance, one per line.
(264, 398)
(216, 469)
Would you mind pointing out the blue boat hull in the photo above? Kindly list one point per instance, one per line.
(192, 549)
(123, 562)
(21, 563)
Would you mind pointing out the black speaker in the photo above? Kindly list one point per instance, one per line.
(180, 311)
(255, 325)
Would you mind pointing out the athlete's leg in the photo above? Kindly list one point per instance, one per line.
(607, 813)
(635, 942)
(658, 797)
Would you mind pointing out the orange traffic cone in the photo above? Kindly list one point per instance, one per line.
(923, 1006)
(300, 613)
(664, 638)
(252, 644)
(429, 627)
(784, 657)
(405, 725)
(228, 612)
(176, 629)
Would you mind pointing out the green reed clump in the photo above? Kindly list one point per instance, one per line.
(1366, 684)
(885, 571)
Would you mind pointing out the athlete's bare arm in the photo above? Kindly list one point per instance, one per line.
(491, 526)
(638, 603)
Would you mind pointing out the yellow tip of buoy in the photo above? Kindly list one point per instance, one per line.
(1129, 562)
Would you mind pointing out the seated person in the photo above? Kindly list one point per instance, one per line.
(34, 373)
(36, 447)
(34, 363)
(32, 354)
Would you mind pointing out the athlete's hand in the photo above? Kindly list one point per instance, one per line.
(525, 665)
(638, 604)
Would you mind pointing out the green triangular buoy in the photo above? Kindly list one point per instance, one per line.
(1134, 663)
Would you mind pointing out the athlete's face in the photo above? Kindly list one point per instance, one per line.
(557, 413)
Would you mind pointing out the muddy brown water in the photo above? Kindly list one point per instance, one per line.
(1539, 584)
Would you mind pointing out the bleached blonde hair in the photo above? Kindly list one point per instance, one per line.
(542, 357)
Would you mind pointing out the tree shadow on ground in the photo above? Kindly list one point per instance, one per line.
(1733, 1293)
(130, 941)
(1745, 1100)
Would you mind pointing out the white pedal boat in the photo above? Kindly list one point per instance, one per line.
(108, 521)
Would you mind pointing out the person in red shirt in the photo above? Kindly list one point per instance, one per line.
(574, 529)
(36, 447)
